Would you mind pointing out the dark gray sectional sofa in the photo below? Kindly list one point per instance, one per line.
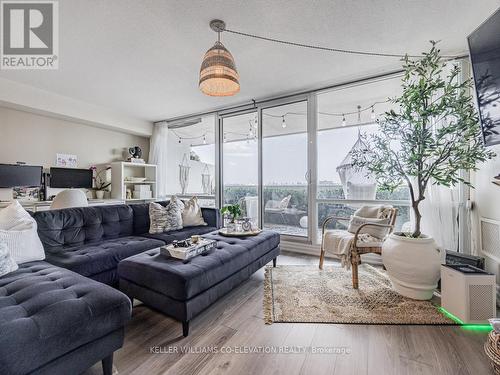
(58, 317)
(54, 321)
(93, 240)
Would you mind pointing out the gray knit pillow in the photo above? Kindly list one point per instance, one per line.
(7, 264)
(165, 219)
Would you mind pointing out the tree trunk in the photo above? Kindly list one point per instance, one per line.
(418, 218)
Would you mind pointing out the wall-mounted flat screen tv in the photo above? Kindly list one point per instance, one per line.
(70, 178)
(484, 49)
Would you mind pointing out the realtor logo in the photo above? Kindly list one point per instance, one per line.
(29, 35)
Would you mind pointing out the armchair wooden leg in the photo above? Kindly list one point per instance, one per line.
(321, 258)
(354, 265)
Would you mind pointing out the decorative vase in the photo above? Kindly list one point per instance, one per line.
(246, 224)
(413, 265)
(99, 194)
(231, 227)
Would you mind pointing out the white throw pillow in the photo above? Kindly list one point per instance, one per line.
(165, 219)
(192, 216)
(19, 231)
(7, 264)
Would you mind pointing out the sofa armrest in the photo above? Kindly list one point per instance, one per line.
(212, 217)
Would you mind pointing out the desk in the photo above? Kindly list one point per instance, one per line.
(45, 205)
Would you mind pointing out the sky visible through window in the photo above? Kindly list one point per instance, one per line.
(287, 153)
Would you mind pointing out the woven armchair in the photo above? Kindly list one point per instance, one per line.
(356, 250)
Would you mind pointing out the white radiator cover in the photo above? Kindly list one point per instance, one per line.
(490, 238)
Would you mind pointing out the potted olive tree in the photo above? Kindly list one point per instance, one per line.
(431, 137)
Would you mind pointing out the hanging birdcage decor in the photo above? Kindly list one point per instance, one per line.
(357, 183)
(184, 174)
(206, 182)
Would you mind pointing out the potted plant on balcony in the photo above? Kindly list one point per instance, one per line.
(432, 136)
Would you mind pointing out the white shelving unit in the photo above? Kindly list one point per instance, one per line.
(122, 170)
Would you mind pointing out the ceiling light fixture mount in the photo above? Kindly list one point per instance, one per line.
(218, 74)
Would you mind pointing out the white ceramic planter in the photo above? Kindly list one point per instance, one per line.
(413, 265)
(99, 194)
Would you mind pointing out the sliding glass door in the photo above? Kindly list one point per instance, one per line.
(240, 162)
(285, 169)
(264, 165)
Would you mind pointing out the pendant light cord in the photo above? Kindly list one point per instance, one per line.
(329, 49)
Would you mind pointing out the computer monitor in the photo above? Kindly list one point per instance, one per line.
(19, 175)
(70, 178)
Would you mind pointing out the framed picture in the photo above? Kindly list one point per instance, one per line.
(66, 161)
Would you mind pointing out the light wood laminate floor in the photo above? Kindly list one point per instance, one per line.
(235, 322)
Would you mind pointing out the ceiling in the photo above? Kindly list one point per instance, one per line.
(142, 58)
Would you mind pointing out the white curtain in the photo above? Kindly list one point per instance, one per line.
(158, 148)
(439, 212)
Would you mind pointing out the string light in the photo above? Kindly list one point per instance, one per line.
(252, 130)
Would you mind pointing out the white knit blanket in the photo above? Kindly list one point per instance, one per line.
(339, 244)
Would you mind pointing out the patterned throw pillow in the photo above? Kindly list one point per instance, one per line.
(7, 264)
(165, 219)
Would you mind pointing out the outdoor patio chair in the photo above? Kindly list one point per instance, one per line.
(278, 207)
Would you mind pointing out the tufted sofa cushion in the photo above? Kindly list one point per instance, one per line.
(182, 281)
(76, 226)
(47, 311)
(93, 258)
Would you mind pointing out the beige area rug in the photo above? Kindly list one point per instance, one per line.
(306, 294)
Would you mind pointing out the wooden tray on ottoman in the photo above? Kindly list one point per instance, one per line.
(226, 233)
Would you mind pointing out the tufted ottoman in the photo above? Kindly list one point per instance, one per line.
(54, 321)
(182, 290)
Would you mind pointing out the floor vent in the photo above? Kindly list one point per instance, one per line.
(490, 238)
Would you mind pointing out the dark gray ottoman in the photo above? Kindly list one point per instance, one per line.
(182, 290)
(54, 321)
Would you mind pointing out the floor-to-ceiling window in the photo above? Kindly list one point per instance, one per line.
(286, 162)
(191, 159)
(240, 162)
(285, 169)
(344, 115)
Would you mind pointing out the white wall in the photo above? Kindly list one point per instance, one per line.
(35, 139)
(486, 197)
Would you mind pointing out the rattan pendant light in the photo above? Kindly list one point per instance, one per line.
(218, 74)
